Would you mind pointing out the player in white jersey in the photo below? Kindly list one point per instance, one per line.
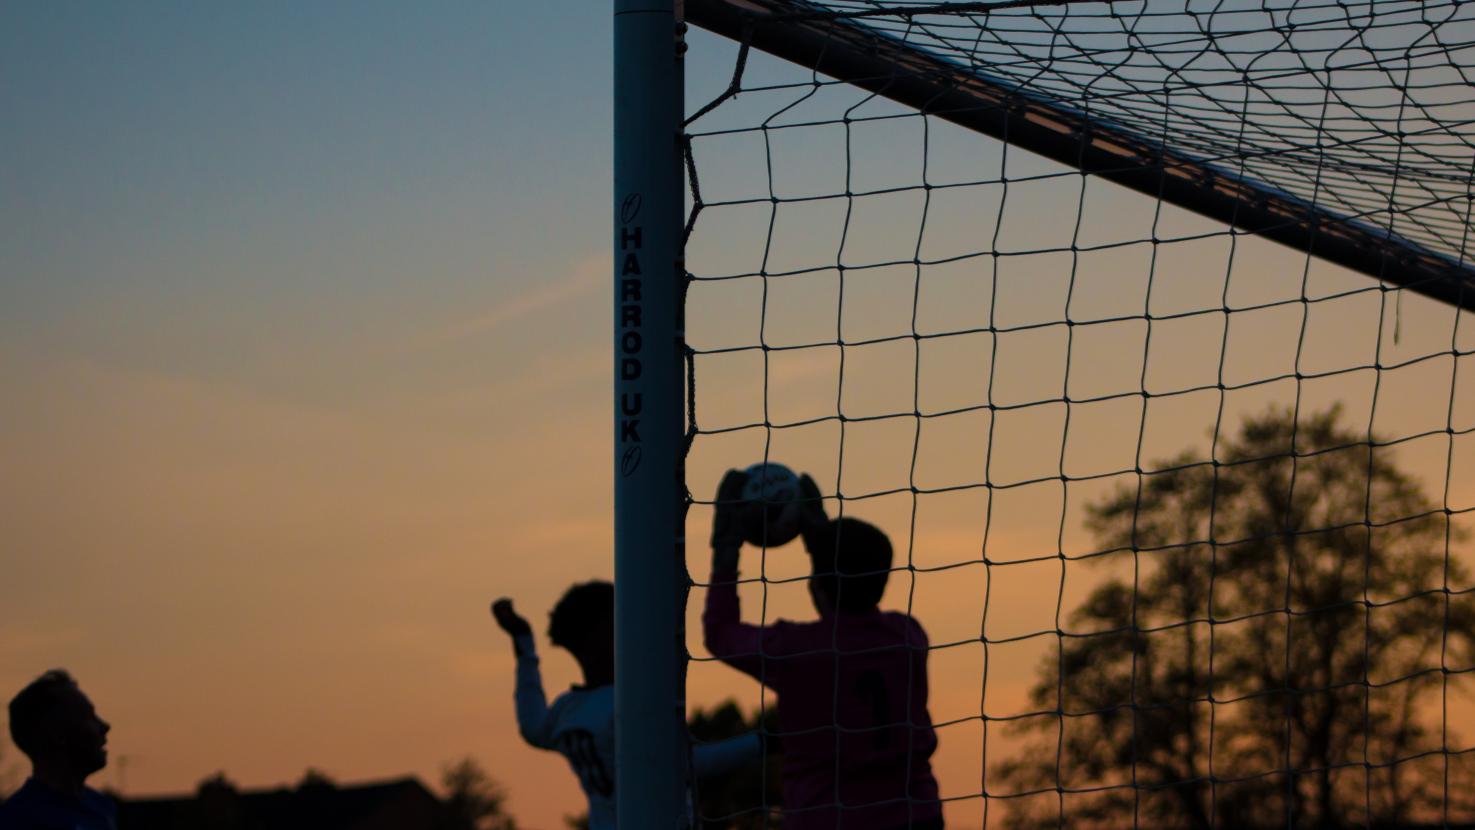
(581, 722)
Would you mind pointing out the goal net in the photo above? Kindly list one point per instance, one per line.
(1140, 330)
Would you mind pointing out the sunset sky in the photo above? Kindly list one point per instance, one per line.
(304, 345)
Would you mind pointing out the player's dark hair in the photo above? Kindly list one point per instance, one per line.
(851, 563)
(33, 708)
(584, 607)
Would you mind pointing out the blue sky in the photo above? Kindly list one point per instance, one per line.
(153, 147)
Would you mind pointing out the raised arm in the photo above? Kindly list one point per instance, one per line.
(723, 630)
(724, 756)
(531, 704)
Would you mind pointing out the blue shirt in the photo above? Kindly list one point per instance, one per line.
(38, 807)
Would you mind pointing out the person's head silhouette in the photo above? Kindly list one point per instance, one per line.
(56, 726)
(583, 622)
(851, 562)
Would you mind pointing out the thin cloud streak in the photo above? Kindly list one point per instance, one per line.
(588, 275)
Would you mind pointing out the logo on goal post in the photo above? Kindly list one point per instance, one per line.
(630, 461)
(630, 208)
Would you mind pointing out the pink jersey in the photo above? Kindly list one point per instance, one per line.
(865, 672)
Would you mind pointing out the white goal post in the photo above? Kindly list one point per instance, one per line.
(649, 424)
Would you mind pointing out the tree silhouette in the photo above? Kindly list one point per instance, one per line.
(218, 803)
(473, 800)
(737, 800)
(315, 779)
(1277, 658)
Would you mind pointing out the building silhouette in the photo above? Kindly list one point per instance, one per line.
(397, 804)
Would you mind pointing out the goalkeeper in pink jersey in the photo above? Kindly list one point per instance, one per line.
(851, 686)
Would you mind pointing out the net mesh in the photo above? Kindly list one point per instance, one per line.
(1181, 500)
(1362, 108)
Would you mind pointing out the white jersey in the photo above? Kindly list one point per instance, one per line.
(580, 725)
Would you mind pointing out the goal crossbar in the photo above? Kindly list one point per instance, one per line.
(885, 65)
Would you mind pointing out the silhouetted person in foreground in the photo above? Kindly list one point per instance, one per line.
(851, 686)
(581, 722)
(55, 725)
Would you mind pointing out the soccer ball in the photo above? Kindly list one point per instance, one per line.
(772, 508)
